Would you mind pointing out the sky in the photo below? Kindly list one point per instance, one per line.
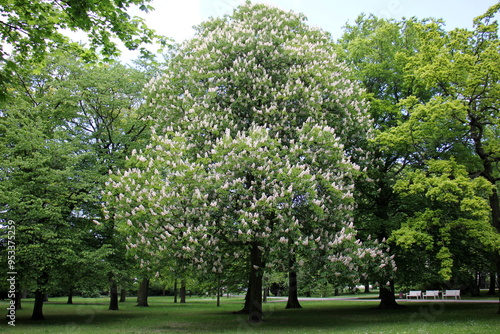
(175, 18)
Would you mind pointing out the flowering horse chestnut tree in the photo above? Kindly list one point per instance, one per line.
(258, 140)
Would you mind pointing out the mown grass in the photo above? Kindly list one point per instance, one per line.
(202, 316)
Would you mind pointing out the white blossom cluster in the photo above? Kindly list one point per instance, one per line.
(256, 128)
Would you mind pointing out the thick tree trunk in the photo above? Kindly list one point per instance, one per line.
(38, 306)
(246, 307)
(293, 295)
(40, 296)
(113, 294)
(493, 284)
(256, 267)
(387, 298)
(70, 296)
(367, 287)
(475, 286)
(142, 295)
(495, 209)
(182, 291)
(175, 291)
(18, 297)
(123, 295)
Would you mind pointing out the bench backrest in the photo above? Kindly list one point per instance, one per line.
(452, 292)
(415, 293)
(432, 292)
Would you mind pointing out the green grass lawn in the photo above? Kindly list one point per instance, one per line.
(202, 316)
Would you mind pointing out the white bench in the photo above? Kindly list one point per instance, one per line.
(417, 294)
(431, 293)
(452, 293)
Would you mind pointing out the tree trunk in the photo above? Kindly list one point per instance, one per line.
(387, 298)
(266, 294)
(493, 284)
(123, 295)
(40, 296)
(70, 296)
(367, 287)
(182, 291)
(175, 291)
(475, 287)
(113, 293)
(38, 306)
(142, 295)
(293, 295)
(246, 307)
(218, 292)
(495, 208)
(256, 267)
(18, 297)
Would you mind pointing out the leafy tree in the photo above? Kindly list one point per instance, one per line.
(89, 118)
(105, 104)
(460, 121)
(433, 97)
(257, 126)
(377, 49)
(41, 191)
(453, 222)
(30, 29)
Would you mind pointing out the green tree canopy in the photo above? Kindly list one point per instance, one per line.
(453, 224)
(30, 29)
(61, 130)
(459, 122)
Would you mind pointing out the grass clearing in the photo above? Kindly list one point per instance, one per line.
(202, 316)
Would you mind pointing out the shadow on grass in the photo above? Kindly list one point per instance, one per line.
(317, 316)
(364, 318)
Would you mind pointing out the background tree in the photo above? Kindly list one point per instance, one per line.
(460, 121)
(88, 125)
(376, 49)
(421, 79)
(30, 30)
(452, 227)
(105, 104)
(41, 192)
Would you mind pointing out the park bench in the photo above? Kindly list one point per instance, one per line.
(431, 293)
(452, 293)
(417, 294)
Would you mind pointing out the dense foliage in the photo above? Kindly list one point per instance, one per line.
(259, 133)
(262, 154)
(29, 30)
